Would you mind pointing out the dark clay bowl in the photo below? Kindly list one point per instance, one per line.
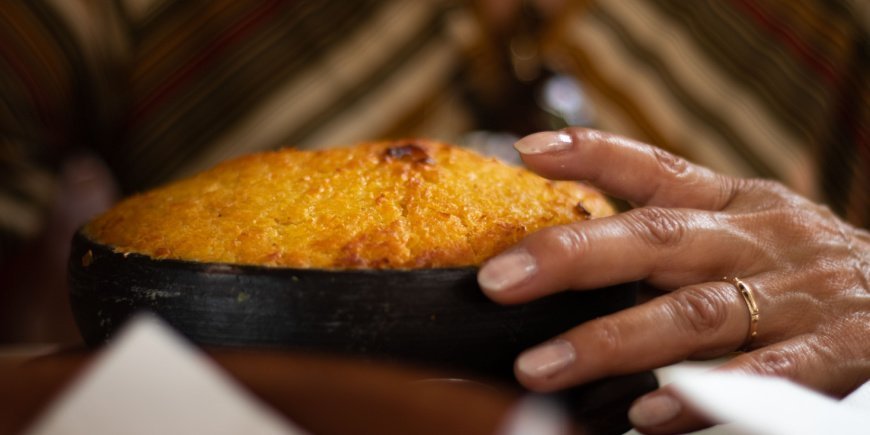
(435, 316)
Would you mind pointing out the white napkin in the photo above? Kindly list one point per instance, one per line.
(150, 381)
(774, 406)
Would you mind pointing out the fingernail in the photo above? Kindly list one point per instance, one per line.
(544, 142)
(655, 410)
(507, 270)
(546, 359)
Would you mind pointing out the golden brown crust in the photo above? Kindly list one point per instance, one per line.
(397, 204)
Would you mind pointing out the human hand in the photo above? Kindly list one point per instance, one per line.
(809, 271)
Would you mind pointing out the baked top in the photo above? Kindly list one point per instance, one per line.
(379, 205)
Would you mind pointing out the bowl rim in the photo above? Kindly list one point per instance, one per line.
(88, 244)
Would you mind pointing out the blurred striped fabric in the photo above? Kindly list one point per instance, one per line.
(757, 88)
(161, 88)
(164, 88)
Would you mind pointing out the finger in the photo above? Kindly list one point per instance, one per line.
(702, 320)
(670, 248)
(631, 170)
(664, 412)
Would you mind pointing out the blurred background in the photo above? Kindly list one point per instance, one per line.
(99, 100)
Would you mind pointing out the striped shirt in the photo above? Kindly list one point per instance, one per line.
(164, 88)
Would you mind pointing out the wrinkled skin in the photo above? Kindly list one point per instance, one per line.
(808, 269)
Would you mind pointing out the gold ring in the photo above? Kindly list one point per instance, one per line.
(749, 298)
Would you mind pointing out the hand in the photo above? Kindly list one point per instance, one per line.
(808, 269)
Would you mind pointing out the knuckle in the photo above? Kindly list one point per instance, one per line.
(608, 337)
(670, 164)
(781, 221)
(790, 224)
(567, 240)
(700, 312)
(657, 226)
(775, 362)
(729, 190)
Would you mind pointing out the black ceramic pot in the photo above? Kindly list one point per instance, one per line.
(435, 316)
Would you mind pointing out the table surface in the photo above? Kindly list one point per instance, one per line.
(311, 390)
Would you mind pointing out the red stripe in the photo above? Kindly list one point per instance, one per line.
(798, 47)
(212, 52)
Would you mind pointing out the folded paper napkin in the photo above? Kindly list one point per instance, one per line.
(150, 381)
(773, 406)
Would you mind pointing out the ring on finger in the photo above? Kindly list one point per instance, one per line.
(749, 297)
